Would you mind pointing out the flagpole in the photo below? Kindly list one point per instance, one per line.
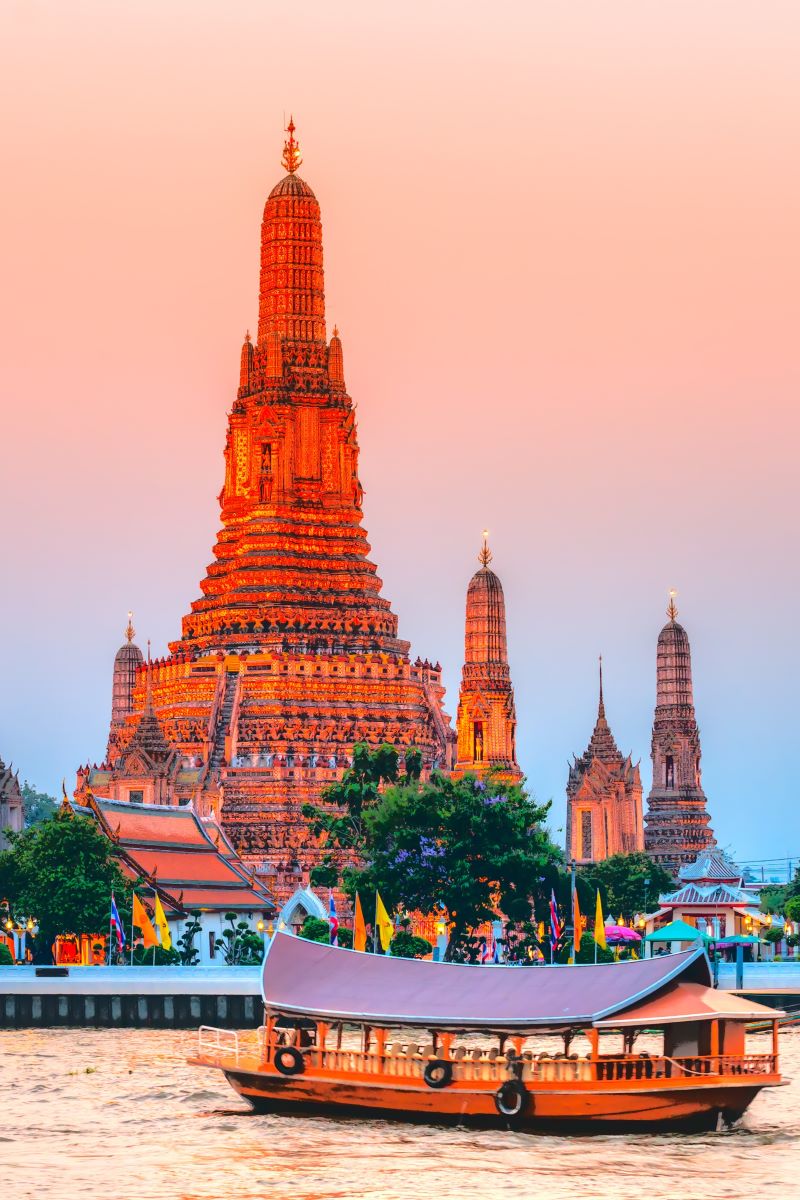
(574, 931)
(133, 893)
(375, 928)
(155, 894)
(110, 927)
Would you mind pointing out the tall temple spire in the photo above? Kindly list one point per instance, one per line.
(677, 825)
(127, 663)
(604, 797)
(486, 721)
(672, 611)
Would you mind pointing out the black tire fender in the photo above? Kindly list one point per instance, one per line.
(512, 1099)
(289, 1061)
(438, 1073)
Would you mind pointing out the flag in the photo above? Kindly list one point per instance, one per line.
(556, 927)
(333, 920)
(161, 922)
(576, 921)
(142, 921)
(359, 928)
(599, 924)
(487, 951)
(116, 923)
(384, 923)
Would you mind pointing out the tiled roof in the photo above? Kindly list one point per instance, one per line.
(719, 893)
(710, 864)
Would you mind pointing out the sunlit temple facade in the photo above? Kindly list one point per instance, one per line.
(291, 654)
(604, 798)
(486, 721)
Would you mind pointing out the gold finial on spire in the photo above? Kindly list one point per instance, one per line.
(336, 331)
(672, 611)
(291, 150)
(485, 556)
(601, 711)
(130, 632)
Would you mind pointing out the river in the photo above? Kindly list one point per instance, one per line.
(119, 1115)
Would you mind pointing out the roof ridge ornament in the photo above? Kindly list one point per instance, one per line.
(130, 632)
(485, 556)
(672, 610)
(290, 158)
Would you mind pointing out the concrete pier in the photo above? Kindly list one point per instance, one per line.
(160, 997)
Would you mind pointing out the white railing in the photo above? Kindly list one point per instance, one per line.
(231, 1045)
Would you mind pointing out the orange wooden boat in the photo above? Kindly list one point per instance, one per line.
(297, 1062)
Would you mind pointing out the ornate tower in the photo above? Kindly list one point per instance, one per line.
(291, 654)
(12, 806)
(677, 824)
(486, 721)
(127, 663)
(604, 798)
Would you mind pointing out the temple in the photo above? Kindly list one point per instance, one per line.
(291, 654)
(604, 798)
(12, 810)
(677, 824)
(127, 662)
(486, 721)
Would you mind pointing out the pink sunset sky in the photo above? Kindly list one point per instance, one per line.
(561, 245)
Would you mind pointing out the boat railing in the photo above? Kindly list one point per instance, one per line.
(231, 1045)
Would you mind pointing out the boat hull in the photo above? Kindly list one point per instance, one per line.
(588, 1109)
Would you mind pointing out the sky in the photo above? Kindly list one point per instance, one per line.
(561, 245)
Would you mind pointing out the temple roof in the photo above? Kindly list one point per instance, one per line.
(721, 893)
(188, 860)
(291, 185)
(711, 865)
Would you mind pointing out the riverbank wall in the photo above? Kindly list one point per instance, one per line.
(125, 997)
(230, 997)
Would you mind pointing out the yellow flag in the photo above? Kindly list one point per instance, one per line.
(576, 917)
(384, 923)
(600, 925)
(359, 928)
(161, 922)
(143, 922)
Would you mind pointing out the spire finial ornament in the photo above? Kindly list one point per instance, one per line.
(601, 710)
(130, 632)
(291, 150)
(672, 611)
(485, 556)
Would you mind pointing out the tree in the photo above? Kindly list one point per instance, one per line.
(62, 873)
(407, 945)
(38, 806)
(241, 946)
(315, 929)
(187, 951)
(628, 883)
(476, 848)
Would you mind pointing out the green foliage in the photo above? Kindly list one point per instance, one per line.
(586, 952)
(345, 937)
(773, 935)
(783, 899)
(188, 954)
(408, 945)
(6, 957)
(621, 880)
(314, 929)
(474, 848)
(791, 909)
(241, 945)
(62, 873)
(144, 956)
(38, 806)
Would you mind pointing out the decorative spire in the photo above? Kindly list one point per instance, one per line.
(601, 708)
(130, 632)
(485, 556)
(291, 150)
(672, 611)
(336, 331)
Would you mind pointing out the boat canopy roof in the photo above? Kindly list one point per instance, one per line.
(310, 979)
(682, 1001)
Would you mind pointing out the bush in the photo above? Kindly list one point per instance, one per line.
(346, 938)
(314, 929)
(6, 957)
(408, 945)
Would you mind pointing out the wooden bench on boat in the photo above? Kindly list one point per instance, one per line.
(298, 1062)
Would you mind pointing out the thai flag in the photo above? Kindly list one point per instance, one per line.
(486, 950)
(116, 923)
(333, 920)
(555, 924)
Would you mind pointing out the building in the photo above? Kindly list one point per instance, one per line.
(712, 897)
(604, 798)
(677, 823)
(12, 809)
(291, 654)
(128, 661)
(486, 722)
(188, 861)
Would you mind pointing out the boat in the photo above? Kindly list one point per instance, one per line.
(452, 1043)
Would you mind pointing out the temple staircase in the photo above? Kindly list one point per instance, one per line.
(222, 729)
